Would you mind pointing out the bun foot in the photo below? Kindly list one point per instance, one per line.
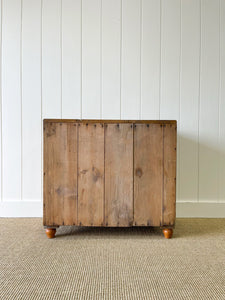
(168, 232)
(50, 232)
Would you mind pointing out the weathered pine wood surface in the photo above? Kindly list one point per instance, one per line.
(148, 174)
(119, 174)
(91, 174)
(109, 173)
(60, 174)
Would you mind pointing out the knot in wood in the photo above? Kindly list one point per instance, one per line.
(139, 172)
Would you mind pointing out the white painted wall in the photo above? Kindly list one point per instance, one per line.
(112, 59)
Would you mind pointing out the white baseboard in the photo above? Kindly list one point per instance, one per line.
(26, 209)
(21, 209)
(200, 210)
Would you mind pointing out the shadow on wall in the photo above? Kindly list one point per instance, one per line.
(200, 170)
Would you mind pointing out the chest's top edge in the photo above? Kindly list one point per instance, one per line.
(110, 121)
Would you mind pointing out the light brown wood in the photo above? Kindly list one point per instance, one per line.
(168, 233)
(148, 174)
(109, 173)
(60, 174)
(50, 232)
(169, 189)
(119, 174)
(91, 174)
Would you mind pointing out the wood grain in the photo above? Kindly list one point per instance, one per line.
(91, 174)
(148, 174)
(119, 174)
(60, 175)
(169, 194)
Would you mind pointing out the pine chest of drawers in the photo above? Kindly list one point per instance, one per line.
(109, 173)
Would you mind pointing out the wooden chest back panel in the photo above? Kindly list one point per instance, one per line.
(119, 174)
(148, 174)
(109, 173)
(91, 174)
(60, 175)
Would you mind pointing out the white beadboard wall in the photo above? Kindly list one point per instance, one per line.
(113, 59)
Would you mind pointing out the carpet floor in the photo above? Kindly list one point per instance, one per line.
(112, 263)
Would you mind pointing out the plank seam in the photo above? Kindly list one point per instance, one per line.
(78, 126)
(133, 172)
(104, 180)
(162, 217)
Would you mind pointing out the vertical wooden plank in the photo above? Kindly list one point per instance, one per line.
(148, 174)
(31, 100)
(189, 99)
(91, 174)
(169, 174)
(51, 58)
(68, 183)
(11, 99)
(60, 174)
(150, 60)
(91, 59)
(130, 64)
(71, 59)
(119, 174)
(111, 35)
(222, 105)
(209, 102)
(170, 60)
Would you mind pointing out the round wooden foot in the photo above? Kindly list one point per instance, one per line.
(50, 232)
(168, 232)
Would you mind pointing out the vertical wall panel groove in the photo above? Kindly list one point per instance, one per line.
(170, 66)
(51, 59)
(81, 59)
(209, 103)
(11, 99)
(141, 43)
(170, 69)
(31, 100)
(101, 60)
(189, 98)
(121, 32)
(1, 198)
(91, 70)
(150, 60)
(61, 71)
(41, 119)
(21, 95)
(111, 22)
(199, 94)
(71, 59)
(222, 104)
(130, 63)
